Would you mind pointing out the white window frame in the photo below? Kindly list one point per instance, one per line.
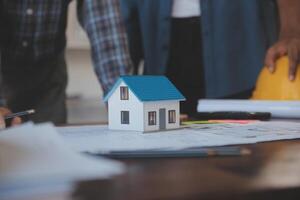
(123, 118)
(124, 93)
(172, 116)
(152, 121)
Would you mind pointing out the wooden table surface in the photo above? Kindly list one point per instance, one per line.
(271, 172)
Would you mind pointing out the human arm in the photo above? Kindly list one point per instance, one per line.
(289, 37)
(110, 53)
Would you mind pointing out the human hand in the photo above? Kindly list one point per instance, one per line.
(289, 46)
(3, 112)
(183, 117)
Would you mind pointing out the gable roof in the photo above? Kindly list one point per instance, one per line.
(149, 88)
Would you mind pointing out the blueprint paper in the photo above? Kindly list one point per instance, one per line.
(99, 138)
(95, 139)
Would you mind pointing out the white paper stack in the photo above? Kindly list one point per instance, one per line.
(32, 156)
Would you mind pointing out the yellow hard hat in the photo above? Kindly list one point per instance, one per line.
(277, 86)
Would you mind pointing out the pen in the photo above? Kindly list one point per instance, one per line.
(232, 115)
(19, 114)
(185, 153)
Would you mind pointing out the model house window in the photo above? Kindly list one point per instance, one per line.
(124, 93)
(152, 118)
(172, 116)
(124, 117)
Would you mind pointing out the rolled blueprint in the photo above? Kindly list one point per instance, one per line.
(278, 109)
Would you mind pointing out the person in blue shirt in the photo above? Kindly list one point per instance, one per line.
(212, 48)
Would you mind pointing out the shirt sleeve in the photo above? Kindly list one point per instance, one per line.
(102, 21)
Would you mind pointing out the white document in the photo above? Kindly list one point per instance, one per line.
(36, 155)
(278, 109)
(97, 139)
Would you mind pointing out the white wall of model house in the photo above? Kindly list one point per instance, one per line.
(156, 106)
(139, 112)
(133, 105)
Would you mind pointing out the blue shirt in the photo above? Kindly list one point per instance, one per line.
(235, 33)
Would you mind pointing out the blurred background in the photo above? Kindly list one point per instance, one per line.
(84, 102)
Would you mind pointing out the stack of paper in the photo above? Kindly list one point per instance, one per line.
(33, 156)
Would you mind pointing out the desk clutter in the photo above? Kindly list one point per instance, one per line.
(45, 156)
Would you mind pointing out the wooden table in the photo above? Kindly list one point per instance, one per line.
(270, 172)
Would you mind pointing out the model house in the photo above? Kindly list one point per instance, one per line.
(143, 103)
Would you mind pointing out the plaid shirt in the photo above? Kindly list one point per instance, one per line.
(36, 31)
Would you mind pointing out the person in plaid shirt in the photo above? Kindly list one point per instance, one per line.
(33, 43)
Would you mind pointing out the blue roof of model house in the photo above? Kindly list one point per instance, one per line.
(149, 88)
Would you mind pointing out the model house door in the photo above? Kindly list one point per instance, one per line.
(162, 119)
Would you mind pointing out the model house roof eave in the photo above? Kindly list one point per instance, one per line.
(106, 97)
